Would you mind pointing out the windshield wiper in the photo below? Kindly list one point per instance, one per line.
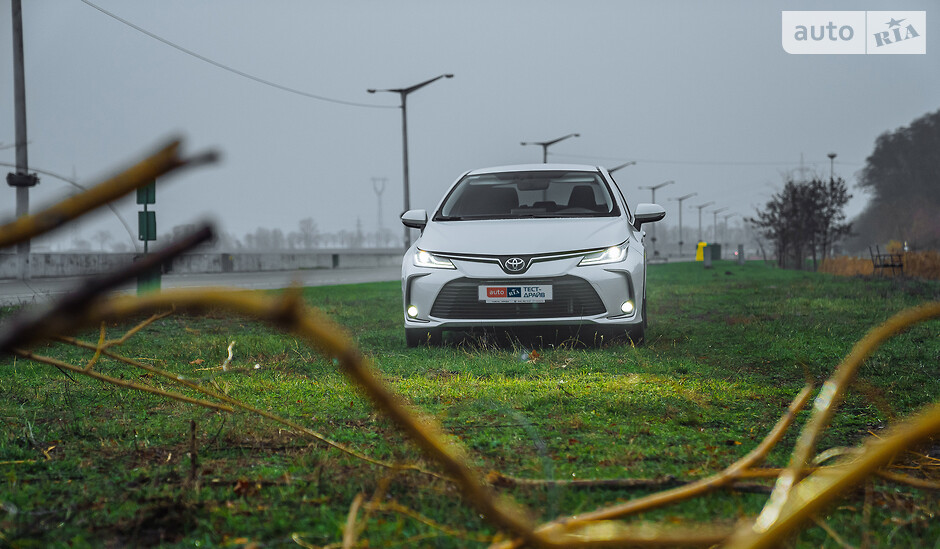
(448, 218)
(532, 216)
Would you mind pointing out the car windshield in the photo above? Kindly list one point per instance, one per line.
(510, 195)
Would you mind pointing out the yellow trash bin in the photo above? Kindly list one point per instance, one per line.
(699, 253)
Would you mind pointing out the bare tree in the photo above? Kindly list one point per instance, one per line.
(278, 241)
(294, 240)
(102, 237)
(805, 218)
(310, 238)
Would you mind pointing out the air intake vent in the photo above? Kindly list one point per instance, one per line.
(572, 297)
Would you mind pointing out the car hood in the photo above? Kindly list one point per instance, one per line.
(523, 236)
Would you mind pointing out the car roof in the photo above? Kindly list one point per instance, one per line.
(534, 168)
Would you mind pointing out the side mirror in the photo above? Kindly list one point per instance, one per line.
(415, 219)
(647, 213)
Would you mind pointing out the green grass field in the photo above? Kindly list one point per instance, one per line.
(87, 464)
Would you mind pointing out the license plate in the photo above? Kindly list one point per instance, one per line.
(516, 294)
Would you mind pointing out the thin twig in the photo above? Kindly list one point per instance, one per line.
(832, 533)
(503, 481)
(350, 532)
(98, 348)
(229, 359)
(133, 331)
(394, 507)
(913, 482)
(120, 382)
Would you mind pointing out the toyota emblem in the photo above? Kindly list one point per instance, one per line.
(515, 264)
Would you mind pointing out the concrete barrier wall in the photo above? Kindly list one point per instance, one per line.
(44, 265)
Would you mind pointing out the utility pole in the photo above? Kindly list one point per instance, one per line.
(22, 180)
(802, 169)
(378, 186)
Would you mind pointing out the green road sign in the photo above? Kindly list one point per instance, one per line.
(147, 225)
(147, 194)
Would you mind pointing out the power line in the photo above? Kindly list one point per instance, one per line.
(694, 162)
(233, 70)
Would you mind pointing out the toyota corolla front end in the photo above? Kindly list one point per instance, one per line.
(534, 245)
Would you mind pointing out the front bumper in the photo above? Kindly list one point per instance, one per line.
(591, 295)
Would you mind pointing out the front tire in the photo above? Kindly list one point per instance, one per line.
(418, 337)
(638, 333)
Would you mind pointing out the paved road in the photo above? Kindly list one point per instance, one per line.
(38, 290)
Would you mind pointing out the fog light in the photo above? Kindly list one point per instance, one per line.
(627, 307)
(412, 311)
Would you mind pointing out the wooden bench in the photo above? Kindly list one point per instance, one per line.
(881, 261)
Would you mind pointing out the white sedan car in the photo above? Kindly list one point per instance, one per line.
(541, 245)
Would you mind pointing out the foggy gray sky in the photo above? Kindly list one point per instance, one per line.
(697, 92)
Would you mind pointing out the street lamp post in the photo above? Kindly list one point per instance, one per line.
(624, 165)
(700, 206)
(653, 231)
(546, 144)
(724, 226)
(832, 162)
(680, 199)
(715, 223)
(403, 93)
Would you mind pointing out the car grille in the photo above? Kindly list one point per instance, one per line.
(571, 297)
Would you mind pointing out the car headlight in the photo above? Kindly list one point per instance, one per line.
(427, 259)
(613, 254)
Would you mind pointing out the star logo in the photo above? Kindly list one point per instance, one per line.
(894, 23)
